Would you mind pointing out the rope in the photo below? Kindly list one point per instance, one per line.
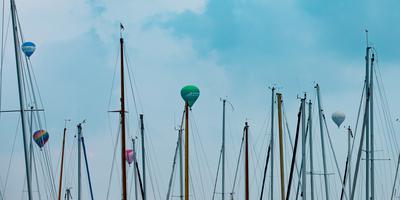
(237, 166)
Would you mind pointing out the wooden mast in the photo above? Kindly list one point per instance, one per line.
(186, 150)
(62, 162)
(122, 113)
(279, 96)
(246, 160)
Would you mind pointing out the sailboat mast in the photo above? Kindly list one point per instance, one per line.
(311, 148)
(223, 149)
(272, 141)
(62, 164)
(372, 128)
(246, 161)
(123, 131)
(79, 162)
(303, 148)
(367, 135)
(349, 135)
(279, 97)
(322, 142)
(134, 168)
(21, 95)
(186, 150)
(143, 156)
(270, 150)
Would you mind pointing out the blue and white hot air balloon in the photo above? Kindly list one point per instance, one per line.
(338, 118)
(28, 48)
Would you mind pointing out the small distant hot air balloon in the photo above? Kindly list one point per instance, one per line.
(28, 48)
(338, 118)
(41, 137)
(190, 94)
(129, 156)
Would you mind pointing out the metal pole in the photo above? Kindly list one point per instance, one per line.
(143, 156)
(223, 149)
(246, 162)
(311, 148)
(357, 168)
(303, 147)
(367, 139)
(87, 168)
(79, 161)
(272, 142)
(371, 89)
(186, 151)
(349, 157)
(21, 94)
(282, 167)
(134, 168)
(322, 143)
(123, 131)
(270, 151)
(296, 141)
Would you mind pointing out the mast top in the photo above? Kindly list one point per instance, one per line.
(122, 28)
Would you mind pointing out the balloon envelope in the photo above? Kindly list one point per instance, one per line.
(28, 48)
(41, 137)
(129, 156)
(190, 93)
(338, 118)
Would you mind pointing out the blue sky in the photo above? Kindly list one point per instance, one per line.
(233, 49)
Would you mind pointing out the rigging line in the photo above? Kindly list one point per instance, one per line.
(237, 165)
(113, 162)
(385, 103)
(288, 133)
(113, 78)
(36, 175)
(334, 156)
(176, 153)
(11, 156)
(358, 119)
(46, 183)
(49, 180)
(216, 176)
(171, 179)
(49, 169)
(39, 94)
(255, 161)
(131, 86)
(134, 80)
(196, 151)
(152, 182)
(152, 162)
(196, 131)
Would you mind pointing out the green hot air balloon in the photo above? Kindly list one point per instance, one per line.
(190, 93)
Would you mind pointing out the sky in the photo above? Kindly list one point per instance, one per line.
(233, 49)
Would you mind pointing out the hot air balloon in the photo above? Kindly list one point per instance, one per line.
(28, 48)
(129, 156)
(338, 118)
(190, 93)
(41, 137)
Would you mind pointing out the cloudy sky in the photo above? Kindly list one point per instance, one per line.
(233, 49)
